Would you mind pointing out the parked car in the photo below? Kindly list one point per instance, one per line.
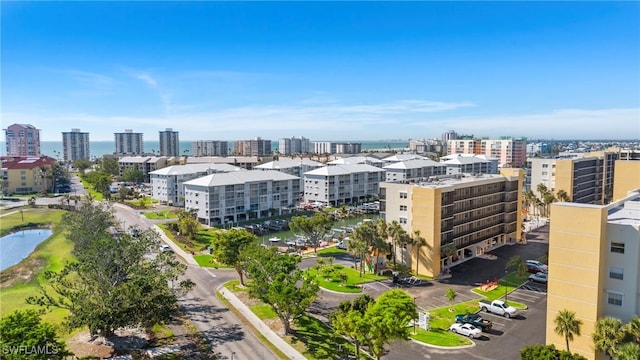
(466, 330)
(535, 266)
(165, 248)
(539, 277)
(498, 307)
(342, 244)
(475, 320)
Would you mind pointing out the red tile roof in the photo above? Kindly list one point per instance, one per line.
(26, 162)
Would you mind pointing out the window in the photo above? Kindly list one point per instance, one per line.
(616, 273)
(614, 298)
(403, 207)
(403, 220)
(617, 247)
(403, 195)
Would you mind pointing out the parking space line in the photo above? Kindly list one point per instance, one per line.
(525, 297)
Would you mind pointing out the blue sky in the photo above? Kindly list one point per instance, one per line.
(326, 70)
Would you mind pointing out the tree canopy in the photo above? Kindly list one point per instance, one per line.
(113, 282)
(547, 352)
(277, 281)
(228, 245)
(24, 336)
(314, 228)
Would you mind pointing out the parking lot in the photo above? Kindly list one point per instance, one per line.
(506, 338)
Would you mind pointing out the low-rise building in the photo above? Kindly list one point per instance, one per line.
(413, 169)
(401, 157)
(342, 184)
(352, 160)
(296, 167)
(245, 162)
(223, 198)
(146, 164)
(469, 214)
(26, 174)
(469, 163)
(593, 267)
(167, 183)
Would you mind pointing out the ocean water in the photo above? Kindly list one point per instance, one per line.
(99, 148)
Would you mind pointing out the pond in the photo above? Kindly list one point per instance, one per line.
(17, 246)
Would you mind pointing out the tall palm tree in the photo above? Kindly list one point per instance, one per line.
(548, 199)
(396, 233)
(607, 335)
(563, 196)
(633, 328)
(418, 242)
(360, 241)
(628, 351)
(379, 242)
(567, 325)
(517, 263)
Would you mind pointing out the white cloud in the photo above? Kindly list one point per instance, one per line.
(400, 119)
(147, 79)
(615, 123)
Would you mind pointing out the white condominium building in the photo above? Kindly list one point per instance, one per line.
(209, 148)
(129, 143)
(169, 143)
(342, 184)
(470, 163)
(293, 145)
(241, 195)
(167, 183)
(413, 169)
(75, 145)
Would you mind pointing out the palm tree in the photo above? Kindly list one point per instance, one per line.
(396, 233)
(360, 241)
(548, 199)
(567, 325)
(517, 263)
(379, 241)
(633, 328)
(607, 335)
(418, 242)
(628, 351)
(563, 196)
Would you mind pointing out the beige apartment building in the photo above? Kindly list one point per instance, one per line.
(593, 266)
(476, 213)
(510, 152)
(627, 177)
(587, 178)
(24, 174)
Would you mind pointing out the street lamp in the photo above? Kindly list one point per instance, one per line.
(232, 353)
(505, 287)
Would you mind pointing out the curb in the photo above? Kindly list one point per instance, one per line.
(444, 347)
(274, 338)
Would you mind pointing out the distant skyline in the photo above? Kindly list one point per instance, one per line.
(322, 70)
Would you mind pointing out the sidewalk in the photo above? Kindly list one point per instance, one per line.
(273, 338)
(176, 249)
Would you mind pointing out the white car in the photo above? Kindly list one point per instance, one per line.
(165, 248)
(466, 330)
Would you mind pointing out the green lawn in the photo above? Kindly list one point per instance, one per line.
(234, 286)
(331, 252)
(440, 337)
(203, 239)
(315, 340)
(264, 311)
(50, 255)
(32, 216)
(333, 283)
(507, 285)
(97, 196)
(160, 215)
(206, 260)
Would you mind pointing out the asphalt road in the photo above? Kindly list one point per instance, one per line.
(223, 331)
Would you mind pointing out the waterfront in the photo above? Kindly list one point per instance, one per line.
(99, 148)
(18, 245)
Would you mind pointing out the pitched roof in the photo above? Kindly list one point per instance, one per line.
(344, 170)
(240, 177)
(413, 164)
(288, 163)
(26, 162)
(403, 157)
(356, 160)
(195, 168)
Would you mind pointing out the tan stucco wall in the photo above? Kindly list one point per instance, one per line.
(577, 252)
(564, 176)
(426, 204)
(626, 178)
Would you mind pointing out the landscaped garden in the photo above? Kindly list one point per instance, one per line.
(339, 278)
(161, 215)
(505, 286)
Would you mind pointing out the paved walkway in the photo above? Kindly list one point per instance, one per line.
(265, 330)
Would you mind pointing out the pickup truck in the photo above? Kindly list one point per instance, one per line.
(475, 320)
(498, 307)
